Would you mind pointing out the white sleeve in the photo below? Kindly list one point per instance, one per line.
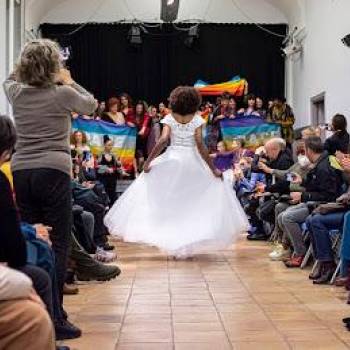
(13, 284)
(168, 120)
(198, 121)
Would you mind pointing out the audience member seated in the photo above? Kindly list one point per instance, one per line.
(82, 152)
(113, 114)
(13, 248)
(222, 159)
(321, 186)
(247, 181)
(91, 202)
(339, 141)
(280, 158)
(24, 321)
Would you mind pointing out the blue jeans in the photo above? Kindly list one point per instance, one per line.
(319, 227)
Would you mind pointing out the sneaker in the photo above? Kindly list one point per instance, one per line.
(294, 262)
(280, 255)
(98, 272)
(103, 256)
(66, 330)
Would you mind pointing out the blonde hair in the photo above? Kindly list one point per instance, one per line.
(310, 131)
(39, 63)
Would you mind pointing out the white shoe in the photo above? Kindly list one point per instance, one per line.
(280, 255)
(103, 256)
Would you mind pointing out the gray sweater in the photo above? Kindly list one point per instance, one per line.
(43, 122)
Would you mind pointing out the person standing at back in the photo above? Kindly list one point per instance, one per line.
(43, 96)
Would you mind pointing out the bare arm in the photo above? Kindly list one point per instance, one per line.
(204, 152)
(158, 148)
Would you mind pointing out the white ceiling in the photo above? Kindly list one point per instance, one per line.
(38, 11)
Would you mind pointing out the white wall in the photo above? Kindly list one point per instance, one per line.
(77, 11)
(3, 55)
(325, 63)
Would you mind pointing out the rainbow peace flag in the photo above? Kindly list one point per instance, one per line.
(123, 137)
(253, 130)
(236, 87)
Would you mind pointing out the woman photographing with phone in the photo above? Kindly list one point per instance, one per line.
(43, 96)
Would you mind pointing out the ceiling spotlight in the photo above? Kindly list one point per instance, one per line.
(346, 40)
(134, 35)
(192, 37)
(169, 10)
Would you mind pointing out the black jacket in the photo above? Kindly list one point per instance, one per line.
(12, 243)
(322, 183)
(339, 141)
(283, 162)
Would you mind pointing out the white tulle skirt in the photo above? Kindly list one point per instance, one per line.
(179, 207)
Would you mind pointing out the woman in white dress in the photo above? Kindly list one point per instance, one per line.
(180, 203)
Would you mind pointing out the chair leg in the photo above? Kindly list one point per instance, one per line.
(335, 273)
(307, 257)
(315, 266)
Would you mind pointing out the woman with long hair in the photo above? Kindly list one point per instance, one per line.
(127, 109)
(43, 96)
(142, 122)
(114, 114)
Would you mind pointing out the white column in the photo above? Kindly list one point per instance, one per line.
(3, 55)
(289, 80)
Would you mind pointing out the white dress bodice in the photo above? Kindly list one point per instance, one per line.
(182, 135)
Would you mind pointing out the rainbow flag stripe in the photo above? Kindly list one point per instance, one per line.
(253, 130)
(124, 138)
(236, 87)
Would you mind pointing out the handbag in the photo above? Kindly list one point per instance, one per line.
(266, 211)
(328, 208)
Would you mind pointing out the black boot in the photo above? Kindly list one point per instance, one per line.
(66, 330)
(327, 273)
(317, 274)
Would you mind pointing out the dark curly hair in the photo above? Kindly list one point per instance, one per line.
(185, 100)
(7, 134)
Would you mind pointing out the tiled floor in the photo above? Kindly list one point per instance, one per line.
(237, 299)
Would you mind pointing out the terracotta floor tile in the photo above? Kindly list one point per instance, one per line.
(192, 336)
(260, 346)
(234, 299)
(224, 345)
(137, 336)
(145, 346)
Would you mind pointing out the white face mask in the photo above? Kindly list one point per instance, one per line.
(303, 161)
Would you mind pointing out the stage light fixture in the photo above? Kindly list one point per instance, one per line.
(134, 35)
(346, 40)
(192, 37)
(169, 10)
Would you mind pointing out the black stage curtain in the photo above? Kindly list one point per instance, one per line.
(104, 62)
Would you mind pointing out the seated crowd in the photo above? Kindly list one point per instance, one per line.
(301, 202)
(53, 203)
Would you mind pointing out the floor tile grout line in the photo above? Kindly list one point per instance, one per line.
(215, 306)
(320, 319)
(126, 308)
(171, 306)
(261, 308)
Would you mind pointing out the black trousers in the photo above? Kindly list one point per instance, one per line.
(42, 285)
(45, 196)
